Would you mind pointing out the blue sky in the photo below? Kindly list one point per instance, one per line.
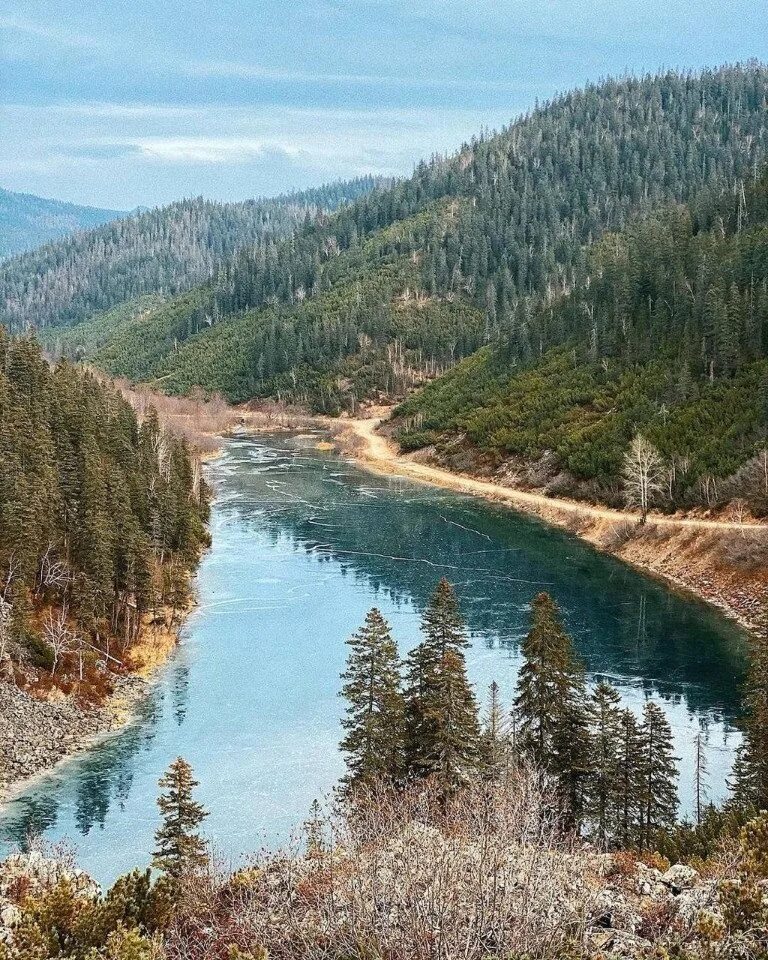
(126, 102)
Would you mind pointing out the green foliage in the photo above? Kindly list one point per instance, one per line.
(666, 334)
(751, 768)
(166, 251)
(375, 709)
(62, 922)
(180, 850)
(92, 505)
(411, 276)
(442, 731)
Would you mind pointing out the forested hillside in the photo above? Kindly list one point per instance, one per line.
(366, 300)
(101, 518)
(665, 333)
(26, 221)
(161, 251)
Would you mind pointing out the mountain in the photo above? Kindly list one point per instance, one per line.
(26, 221)
(665, 333)
(162, 251)
(395, 287)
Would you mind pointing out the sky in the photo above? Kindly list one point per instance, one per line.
(125, 103)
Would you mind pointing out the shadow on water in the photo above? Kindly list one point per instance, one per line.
(304, 544)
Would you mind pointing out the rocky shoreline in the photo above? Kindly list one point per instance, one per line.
(36, 734)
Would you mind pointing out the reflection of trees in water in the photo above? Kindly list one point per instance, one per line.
(401, 538)
(179, 686)
(101, 777)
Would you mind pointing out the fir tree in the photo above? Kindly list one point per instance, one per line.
(495, 745)
(628, 780)
(604, 795)
(554, 729)
(751, 768)
(374, 718)
(442, 730)
(658, 773)
(180, 850)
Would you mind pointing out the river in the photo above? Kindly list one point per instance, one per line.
(304, 543)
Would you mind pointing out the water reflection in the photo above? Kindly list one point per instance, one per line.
(304, 544)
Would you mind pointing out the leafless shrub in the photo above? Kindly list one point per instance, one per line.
(619, 534)
(409, 876)
(744, 549)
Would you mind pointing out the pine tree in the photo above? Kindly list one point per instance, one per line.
(180, 850)
(604, 792)
(442, 730)
(554, 729)
(658, 771)
(628, 781)
(374, 718)
(495, 745)
(452, 750)
(751, 768)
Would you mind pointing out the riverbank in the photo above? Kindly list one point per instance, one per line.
(722, 562)
(39, 732)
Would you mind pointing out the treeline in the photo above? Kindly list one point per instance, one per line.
(499, 228)
(616, 778)
(102, 518)
(164, 251)
(666, 333)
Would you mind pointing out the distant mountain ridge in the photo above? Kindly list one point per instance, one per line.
(27, 221)
(162, 251)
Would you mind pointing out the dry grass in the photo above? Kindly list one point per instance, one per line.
(404, 876)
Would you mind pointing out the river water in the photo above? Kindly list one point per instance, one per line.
(304, 543)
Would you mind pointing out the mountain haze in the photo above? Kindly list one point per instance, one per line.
(27, 221)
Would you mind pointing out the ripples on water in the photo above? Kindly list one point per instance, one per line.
(303, 545)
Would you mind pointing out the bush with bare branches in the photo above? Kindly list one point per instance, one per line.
(404, 875)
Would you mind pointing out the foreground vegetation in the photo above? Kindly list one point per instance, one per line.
(450, 836)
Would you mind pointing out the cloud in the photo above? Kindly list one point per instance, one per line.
(50, 34)
(209, 149)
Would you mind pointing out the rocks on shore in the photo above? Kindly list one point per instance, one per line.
(35, 734)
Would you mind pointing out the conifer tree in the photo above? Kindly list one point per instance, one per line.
(605, 773)
(658, 771)
(495, 745)
(442, 730)
(180, 849)
(628, 780)
(550, 705)
(374, 718)
(751, 768)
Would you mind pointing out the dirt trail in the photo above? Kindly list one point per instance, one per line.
(380, 453)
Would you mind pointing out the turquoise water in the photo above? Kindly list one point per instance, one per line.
(304, 544)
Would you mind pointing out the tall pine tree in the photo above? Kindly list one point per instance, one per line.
(374, 720)
(751, 768)
(442, 730)
(658, 773)
(180, 849)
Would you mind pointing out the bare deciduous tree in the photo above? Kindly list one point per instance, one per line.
(58, 636)
(643, 474)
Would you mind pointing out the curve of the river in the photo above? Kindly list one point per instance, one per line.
(304, 543)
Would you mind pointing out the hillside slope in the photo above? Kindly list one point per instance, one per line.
(345, 307)
(27, 221)
(162, 251)
(666, 334)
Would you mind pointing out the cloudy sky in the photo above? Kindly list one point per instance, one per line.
(126, 102)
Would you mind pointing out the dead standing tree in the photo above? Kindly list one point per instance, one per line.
(643, 474)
